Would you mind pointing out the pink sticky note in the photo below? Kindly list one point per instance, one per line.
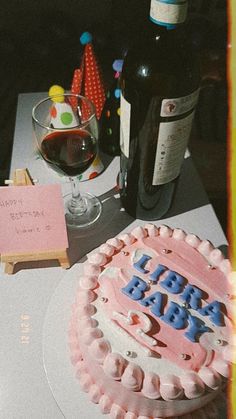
(32, 219)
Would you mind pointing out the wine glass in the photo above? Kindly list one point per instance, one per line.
(66, 131)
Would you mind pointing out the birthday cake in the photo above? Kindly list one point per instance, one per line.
(151, 327)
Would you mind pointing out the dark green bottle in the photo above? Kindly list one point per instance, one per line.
(160, 85)
(109, 137)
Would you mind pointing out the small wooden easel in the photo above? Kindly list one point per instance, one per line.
(22, 177)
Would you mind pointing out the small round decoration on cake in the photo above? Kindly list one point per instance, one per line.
(150, 333)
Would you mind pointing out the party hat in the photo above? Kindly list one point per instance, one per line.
(76, 87)
(87, 80)
(61, 112)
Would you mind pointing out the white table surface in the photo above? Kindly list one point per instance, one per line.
(26, 296)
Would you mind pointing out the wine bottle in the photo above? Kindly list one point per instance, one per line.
(109, 138)
(160, 86)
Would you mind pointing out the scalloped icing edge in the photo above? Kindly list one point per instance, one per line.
(101, 350)
(108, 406)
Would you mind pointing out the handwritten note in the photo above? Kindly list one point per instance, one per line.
(32, 219)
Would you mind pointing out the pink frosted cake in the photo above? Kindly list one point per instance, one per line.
(151, 327)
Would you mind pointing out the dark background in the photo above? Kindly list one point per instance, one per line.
(40, 46)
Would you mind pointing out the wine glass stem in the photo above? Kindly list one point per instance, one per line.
(77, 204)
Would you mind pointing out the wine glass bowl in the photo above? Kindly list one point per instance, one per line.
(66, 132)
(72, 151)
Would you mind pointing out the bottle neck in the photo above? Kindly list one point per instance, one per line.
(168, 13)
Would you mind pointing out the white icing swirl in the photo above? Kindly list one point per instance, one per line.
(88, 282)
(99, 349)
(179, 234)
(86, 322)
(114, 365)
(93, 270)
(105, 404)
(170, 387)
(151, 386)
(89, 335)
(85, 382)
(192, 384)
(132, 377)
(225, 266)
(216, 257)
(97, 258)
(85, 296)
(115, 242)
(94, 393)
(107, 249)
(210, 377)
(117, 412)
(152, 230)
(130, 415)
(165, 231)
(192, 240)
(127, 239)
(222, 367)
(80, 369)
(139, 233)
(205, 248)
(86, 310)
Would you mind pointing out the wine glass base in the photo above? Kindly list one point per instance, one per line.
(91, 214)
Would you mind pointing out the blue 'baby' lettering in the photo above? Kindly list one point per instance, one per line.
(196, 328)
(155, 302)
(176, 316)
(135, 288)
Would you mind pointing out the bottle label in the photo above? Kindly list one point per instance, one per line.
(168, 12)
(179, 106)
(172, 142)
(172, 137)
(125, 112)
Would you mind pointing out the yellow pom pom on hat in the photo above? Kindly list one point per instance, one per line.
(55, 93)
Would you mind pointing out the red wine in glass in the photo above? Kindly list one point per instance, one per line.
(72, 151)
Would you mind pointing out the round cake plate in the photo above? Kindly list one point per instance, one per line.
(60, 373)
(71, 400)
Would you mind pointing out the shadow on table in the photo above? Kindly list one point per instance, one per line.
(112, 220)
(190, 195)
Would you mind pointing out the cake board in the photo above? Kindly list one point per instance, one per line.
(60, 373)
